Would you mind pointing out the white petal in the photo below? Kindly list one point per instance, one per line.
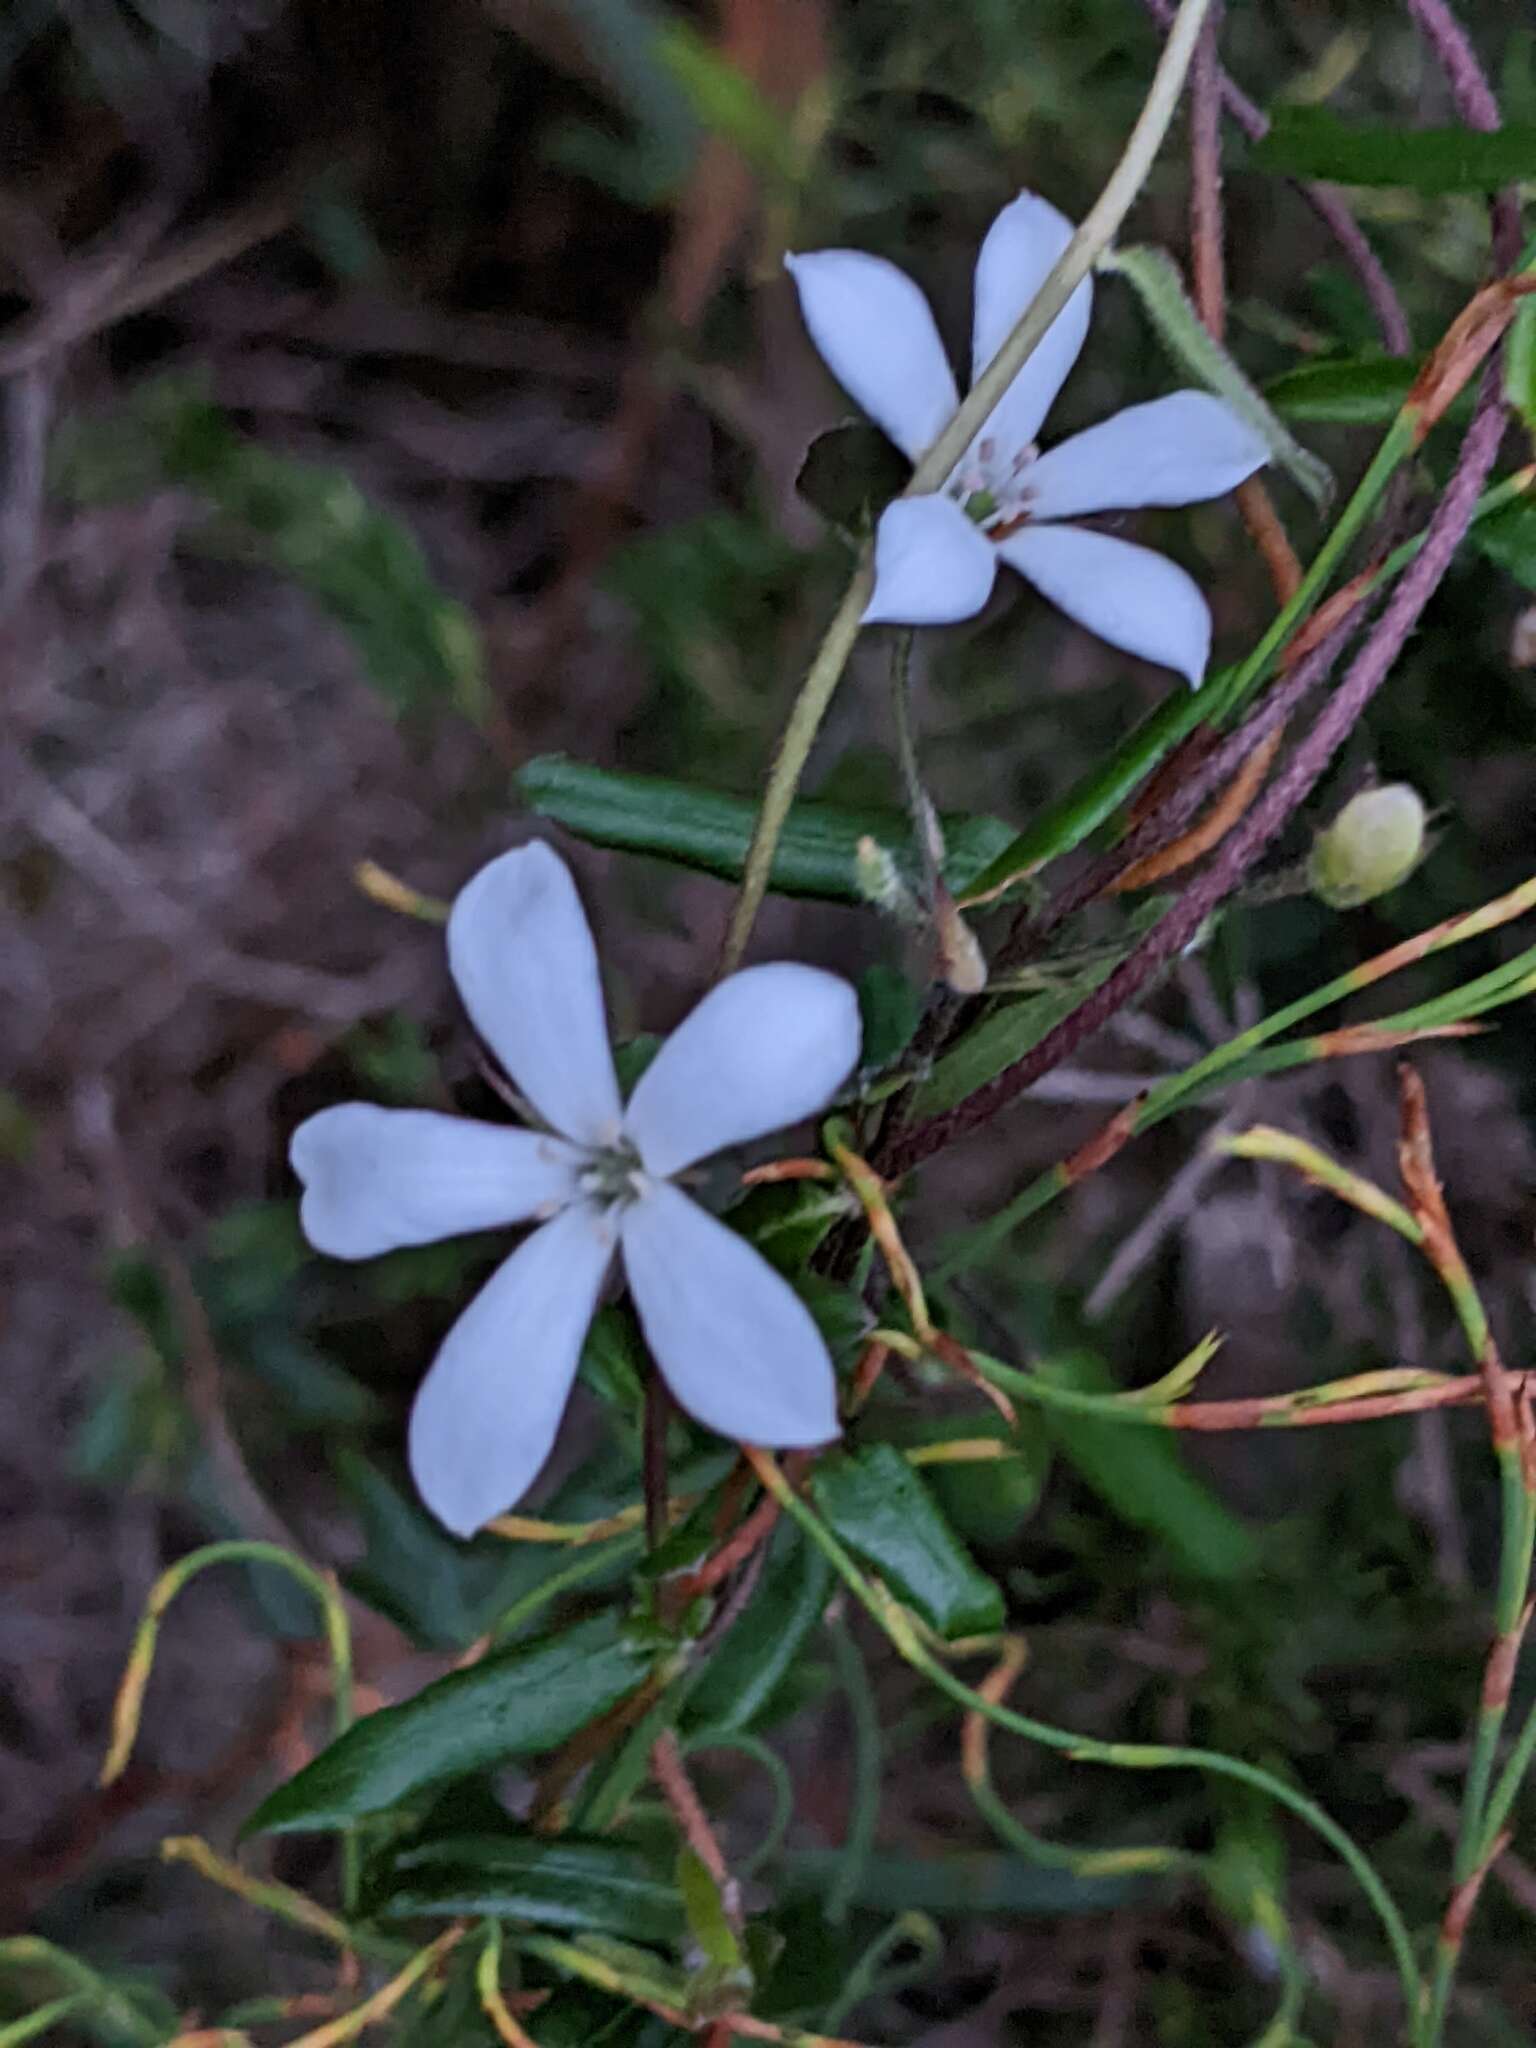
(1022, 245)
(736, 1345)
(487, 1412)
(875, 333)
(1178, 450)
(375, 1179)
(932, 565)
(1129, 596)
(765, 1048)
(521, 951)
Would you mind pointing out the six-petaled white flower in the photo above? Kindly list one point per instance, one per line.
(936, 556)
(734, 1342)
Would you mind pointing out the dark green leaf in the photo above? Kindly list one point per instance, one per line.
(1509, 539)
(705, 829)
(522, 1704)
(989, 1502)
(1001, 1038)
(613, 1362)
(786, 1220)
(559, 1881)
(441, 1592)
(881, 1509)
(1142, 1475)
(1311, 142)
(965, 1885)
(312, 1391)
(840, 1313)
(743, 1675)
(1346, 391)
(891, 1010)
(850, 473)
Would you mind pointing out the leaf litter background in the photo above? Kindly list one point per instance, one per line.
(397, 394)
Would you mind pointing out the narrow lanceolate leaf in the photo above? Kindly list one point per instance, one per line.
(818, 851)
(600, 1886)
(1310, 142)
(742, 1677)
(521, 1704)
(1520, 365)
(1345, 391)
(1158, 285)
(882, 1510)
(1141, 1475)
(1509, 539)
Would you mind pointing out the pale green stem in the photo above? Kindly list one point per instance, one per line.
(898, 1628)
(1092, 238)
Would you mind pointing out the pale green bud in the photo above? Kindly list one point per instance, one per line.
(1374, 843)
(879, 881)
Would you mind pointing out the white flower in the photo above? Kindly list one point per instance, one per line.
(737, 1346)
(936, 556)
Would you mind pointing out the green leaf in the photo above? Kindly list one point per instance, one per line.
(1196, 350)
(1311, 142)
(725, 99)
(705, 829)
(708, 1923)
(613, 1362)
(881, 1509)
(840, 1313)
(787, 1220)
(760, 1647)
(991, 1501)
(1345, 391)
(1520, 365)
(313, 1392)
(556, 1881)
(965, 1886)
(522, 1704)
(1001, 1038)
(891, 1010)
(850, 474)
(1142, 1475)
(441, 1592)
(1509, 539)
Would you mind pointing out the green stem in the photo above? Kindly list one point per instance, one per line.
(794, 749)
(1399, 442)
(864, 1806)
(1096, 796)
(1090, 241)
(1135, 1756)
(338, 1638)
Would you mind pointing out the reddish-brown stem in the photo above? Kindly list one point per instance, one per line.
(1475, 103)
(736, 1549)
(1261, 1411)
(1208, 267)
(1178, 809)
(1326, 204)
(670, 1773)
(1269, 815)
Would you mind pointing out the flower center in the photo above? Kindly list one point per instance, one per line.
(612, 1176)
(993, 489)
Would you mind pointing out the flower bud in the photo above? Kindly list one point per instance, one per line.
(1375, 842)
(879, 881)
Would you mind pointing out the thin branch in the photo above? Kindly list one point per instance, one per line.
(1329, 208)
(1268, 817)
(1476, 105)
